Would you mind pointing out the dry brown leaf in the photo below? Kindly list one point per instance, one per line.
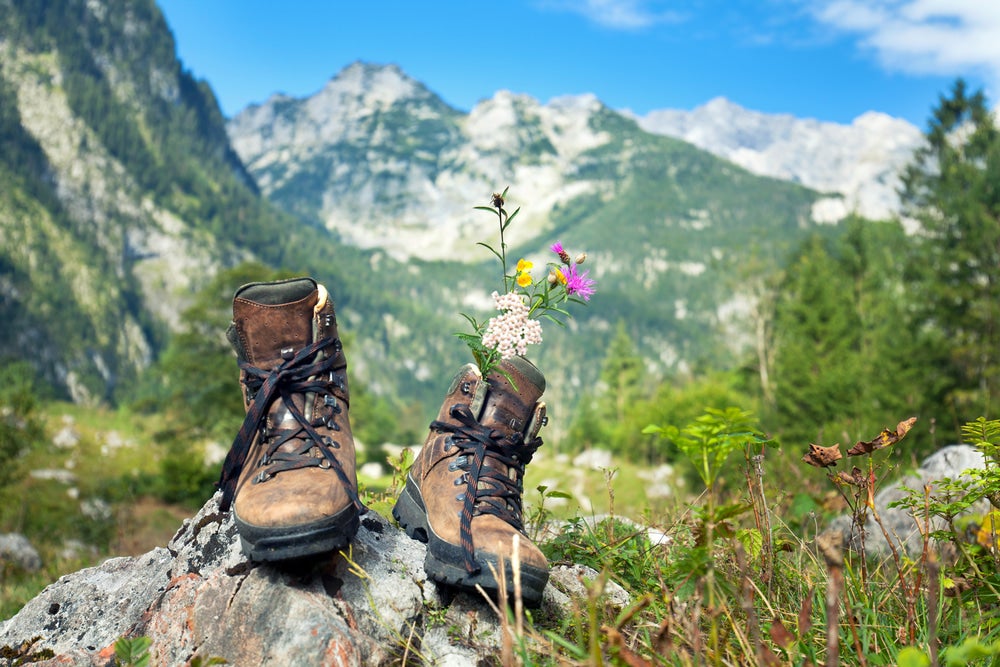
(780, 634)
(617, 641)
(822, 457)
(884, 439)
(768, 658)
(805, 614)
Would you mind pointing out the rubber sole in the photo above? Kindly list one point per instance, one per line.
(445, 562)
(269, 544)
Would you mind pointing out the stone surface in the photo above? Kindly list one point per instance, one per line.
(17, 550)
(200, 598)
(948, 462)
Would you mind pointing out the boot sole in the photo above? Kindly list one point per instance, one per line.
(269, 544)
(444, 562)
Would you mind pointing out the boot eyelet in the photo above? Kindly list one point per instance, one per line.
(466, 387)
(460, 498)
(261, 477)
(448, 444)
(325, 464)
(265, 460)
(329, 400)
(515, 424)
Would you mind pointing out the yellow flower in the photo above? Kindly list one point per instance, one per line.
(560, 276)
(523, 265)
(524, 279)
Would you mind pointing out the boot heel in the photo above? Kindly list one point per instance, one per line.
(410, 513)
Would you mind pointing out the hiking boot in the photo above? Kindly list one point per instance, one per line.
(290, 473)
(463, 493)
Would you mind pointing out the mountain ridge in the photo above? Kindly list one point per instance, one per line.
(861, 162)
(144, 193)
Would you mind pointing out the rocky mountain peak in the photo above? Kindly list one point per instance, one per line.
(859, 162)
(370, 86)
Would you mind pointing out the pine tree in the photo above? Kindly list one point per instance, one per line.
(953, 191)
(816, 339)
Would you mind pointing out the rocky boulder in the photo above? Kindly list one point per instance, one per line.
(199, 598)
(19, 552)
(947, 462)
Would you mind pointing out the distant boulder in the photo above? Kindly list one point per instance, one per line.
(948, 462)
(18, 551)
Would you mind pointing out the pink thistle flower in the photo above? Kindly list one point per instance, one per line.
(578, 283)
(558, 249)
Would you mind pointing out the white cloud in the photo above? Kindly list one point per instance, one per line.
(943, 37)
(618, 14)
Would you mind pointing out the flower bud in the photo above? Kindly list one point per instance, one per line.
(564, 256)
(581, 258)
(553, 278)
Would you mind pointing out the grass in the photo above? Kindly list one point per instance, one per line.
(738, 573)
(87, 491)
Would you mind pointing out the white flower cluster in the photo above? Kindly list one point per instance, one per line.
(511, 332)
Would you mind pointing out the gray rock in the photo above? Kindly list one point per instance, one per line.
(902, 526)
(200, 597)
(16, 549)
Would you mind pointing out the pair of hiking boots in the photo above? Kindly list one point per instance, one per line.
(290, 476)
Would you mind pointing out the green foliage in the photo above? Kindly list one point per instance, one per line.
(617, 547)
(849, 355)
(710, 439)
(132, 651)
(20, 430)
(951, 190)
(973, 536)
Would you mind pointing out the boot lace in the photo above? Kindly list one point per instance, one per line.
(489, 489)
(297, 374)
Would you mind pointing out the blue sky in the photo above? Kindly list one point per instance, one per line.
(827, 59)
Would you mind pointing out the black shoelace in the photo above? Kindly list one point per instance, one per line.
(297, 374)
(489, 488)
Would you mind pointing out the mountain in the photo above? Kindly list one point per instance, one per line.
(123, 191)
(120, 195)
(383, 163)
(98, 250)
(860, 162)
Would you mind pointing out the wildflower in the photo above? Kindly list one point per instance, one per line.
(511, 332)
(559, 250)
(579, 284)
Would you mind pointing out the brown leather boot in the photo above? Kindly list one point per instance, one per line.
(290, 474)
(463, 493)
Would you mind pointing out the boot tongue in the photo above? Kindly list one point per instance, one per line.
(274, 320)
(507, 408)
